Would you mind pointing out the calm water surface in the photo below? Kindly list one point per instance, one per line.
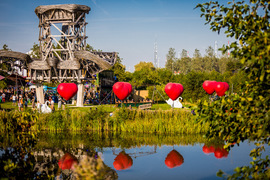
(137, 156)
(196, 164)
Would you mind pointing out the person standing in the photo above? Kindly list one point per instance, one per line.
(52, 105)
(3, 97)
(64, 105)
(13, 100)
(21, 104)
(38, 106)
(33, 104)
(59, 102)
(25, 102)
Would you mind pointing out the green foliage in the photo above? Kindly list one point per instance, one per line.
(175, 121)
(164, 76)
(245, 115)
(3, 84)
(17, 141)
(192, 83)
(183, 65)
(95, 139)
(15, 121)
(35, 51)
(159, 93)
(89, 48)
(144, 75)
(119, 71)
(170, 60)
(142, 65)
(5, 47)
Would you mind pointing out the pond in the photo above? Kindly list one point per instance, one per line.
(128, 156)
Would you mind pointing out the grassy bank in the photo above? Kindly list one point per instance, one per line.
(110, 118)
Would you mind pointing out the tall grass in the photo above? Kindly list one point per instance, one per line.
(173, 121)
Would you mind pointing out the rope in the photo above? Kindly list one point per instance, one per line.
(155, 89)
(105, 97)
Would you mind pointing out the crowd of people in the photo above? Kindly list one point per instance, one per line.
(25, 98)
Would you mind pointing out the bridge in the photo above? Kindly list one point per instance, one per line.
(62, 56)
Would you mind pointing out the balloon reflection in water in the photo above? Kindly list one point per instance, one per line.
(174, 159)
(208, 149)
(67, 161)
(219, 152)
(122, 161)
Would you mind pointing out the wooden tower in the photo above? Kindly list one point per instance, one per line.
(63, 55)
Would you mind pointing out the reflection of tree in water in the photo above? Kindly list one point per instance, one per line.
(16, 157)
(40, 158)
(72, 163)
(21, 160)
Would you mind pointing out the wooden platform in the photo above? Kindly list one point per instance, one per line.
(133, 104)
(145, 106)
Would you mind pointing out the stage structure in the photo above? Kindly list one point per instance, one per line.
(63, 55)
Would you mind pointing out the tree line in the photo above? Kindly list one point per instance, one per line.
(190, 72)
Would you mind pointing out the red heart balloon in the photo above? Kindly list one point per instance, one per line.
(174, 90)
(174, 159)
(209, 86)
(122, 161)
(226, 88)
(219, 87)
(122, 90)
(67, 90)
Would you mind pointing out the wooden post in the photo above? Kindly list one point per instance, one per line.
(80, 95)
(40, 93)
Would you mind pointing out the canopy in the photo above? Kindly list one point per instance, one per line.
(2, 77)
(46, 88)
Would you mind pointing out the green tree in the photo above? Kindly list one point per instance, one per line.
(245, 115)
(197, 54)
(119, 71)
(3, 84)
(5, 47)
(183, 65)
(35, 51)
(145, 74)
(184, 53)
(89, 48)
(170, 59)
(164, 76)
(210, 60)
(142, 65)
(197, 61)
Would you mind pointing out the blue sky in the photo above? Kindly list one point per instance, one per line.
(129, 27)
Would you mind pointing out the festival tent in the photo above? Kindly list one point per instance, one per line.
(2, 77)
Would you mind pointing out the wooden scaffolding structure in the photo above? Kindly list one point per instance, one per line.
(63, 55)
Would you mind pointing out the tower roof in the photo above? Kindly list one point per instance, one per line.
(68, 7)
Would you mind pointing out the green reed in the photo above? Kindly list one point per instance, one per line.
(174, 121)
